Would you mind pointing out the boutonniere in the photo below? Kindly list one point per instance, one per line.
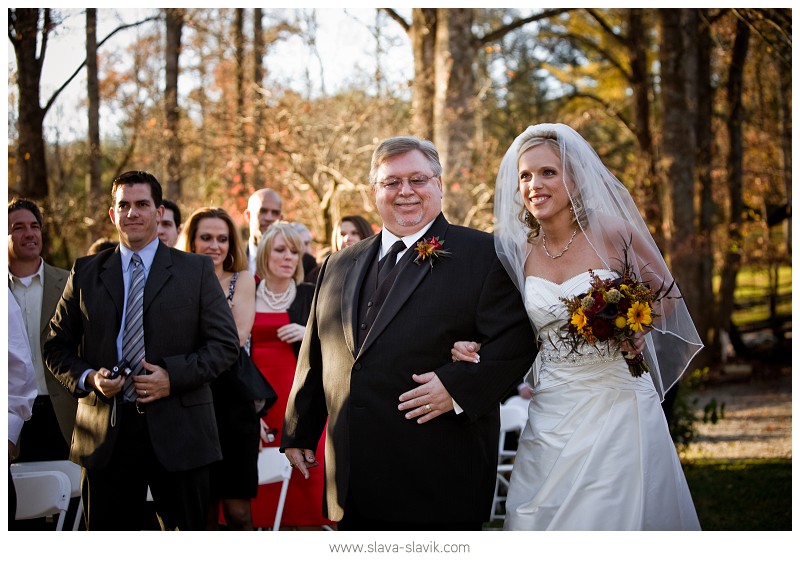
(430, 249)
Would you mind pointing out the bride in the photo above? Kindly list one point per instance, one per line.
(596, 453)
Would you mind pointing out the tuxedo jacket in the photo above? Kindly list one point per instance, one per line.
(396, 469)
(188, 330)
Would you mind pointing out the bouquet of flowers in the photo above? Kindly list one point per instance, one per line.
(613, 311)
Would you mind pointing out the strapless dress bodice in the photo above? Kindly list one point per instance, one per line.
(549, 316)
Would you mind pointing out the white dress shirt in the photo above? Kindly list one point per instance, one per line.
(252, 253)
(388, 239)
(21, 375)
(29, 292)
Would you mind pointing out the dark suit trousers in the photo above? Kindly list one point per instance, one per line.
(115, 496)
(354, 520)
(41, 438)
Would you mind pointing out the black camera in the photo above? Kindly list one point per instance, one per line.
(123, 367)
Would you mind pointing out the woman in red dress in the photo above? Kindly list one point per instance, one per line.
(283, 303)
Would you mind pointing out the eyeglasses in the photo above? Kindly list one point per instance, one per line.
(416, 181)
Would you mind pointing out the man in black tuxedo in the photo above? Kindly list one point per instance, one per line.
(155, 427)
(412, 436)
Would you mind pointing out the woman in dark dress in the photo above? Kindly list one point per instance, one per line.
(234, 479)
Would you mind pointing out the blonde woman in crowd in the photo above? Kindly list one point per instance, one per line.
(283, 303)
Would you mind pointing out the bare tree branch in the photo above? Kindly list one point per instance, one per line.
(605, 106)
(61, 88)
(615, 62)
(502, 31)
(398, 18)
(596, 16)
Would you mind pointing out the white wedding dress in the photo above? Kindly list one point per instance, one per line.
(596, 453)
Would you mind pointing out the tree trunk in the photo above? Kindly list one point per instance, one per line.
(423, 41)
(733, 256)
(649, 186)
(786, 141)
(705, 142)
(173, 187)
(241, 143)
(259, 128)
(453, 109)
(93, 96)
(678, 152)
(31, 165)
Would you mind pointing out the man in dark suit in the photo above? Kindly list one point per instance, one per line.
(37, 287)
(156, 427)
(412, 436)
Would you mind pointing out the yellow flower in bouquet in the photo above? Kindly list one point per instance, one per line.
(639, 316)
(579, 319)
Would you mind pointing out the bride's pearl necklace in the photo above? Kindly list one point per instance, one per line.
(560, 254)
(277, 301)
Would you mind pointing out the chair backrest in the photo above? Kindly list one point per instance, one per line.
(69, 468)
(42, 493)
(512, 419)
(274, 467)
(517, 401)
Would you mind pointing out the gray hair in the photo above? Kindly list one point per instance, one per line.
(395, 146)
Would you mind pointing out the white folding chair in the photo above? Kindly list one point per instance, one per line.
(42, 493)
(69, 468)
(519, 402)
(273, 467)
(513, 417)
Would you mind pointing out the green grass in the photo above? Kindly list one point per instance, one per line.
(738, 495)
(750, 494)
(750, 281)
(752, 293)
(759, 313)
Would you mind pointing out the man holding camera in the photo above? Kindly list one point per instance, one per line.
(163, 313)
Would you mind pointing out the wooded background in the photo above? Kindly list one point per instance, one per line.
(691, 109)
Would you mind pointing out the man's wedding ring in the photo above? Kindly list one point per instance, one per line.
(145, 392)
(428, 407)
